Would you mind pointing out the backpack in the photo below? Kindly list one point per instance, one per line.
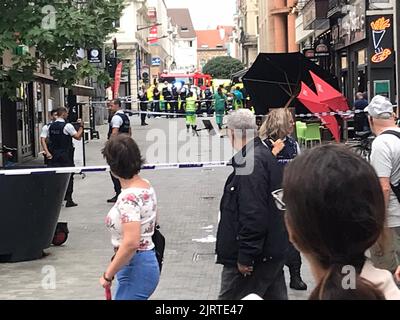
(395, 189)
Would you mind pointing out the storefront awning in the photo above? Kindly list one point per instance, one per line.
(47, 79)
(81, 90)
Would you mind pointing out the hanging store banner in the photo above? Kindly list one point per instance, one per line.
(153, 35)
(381, 45)
(117, 80)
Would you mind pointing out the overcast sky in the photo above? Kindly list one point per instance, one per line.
(207, 14)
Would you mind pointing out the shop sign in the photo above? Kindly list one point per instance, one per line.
(152, 13)
(310, 54)
(94, 55)
(381, 40)
(321, 50)
(153, 35)
(155, 61)
(351, 28)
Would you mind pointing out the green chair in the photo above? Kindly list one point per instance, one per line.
(300, 131)
(312, 133)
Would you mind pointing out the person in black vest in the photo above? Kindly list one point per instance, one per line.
(156, 100)
(167, 95)
(119, 123)
(183, 92)
(174, 103)
(208, 96)
(276, 134)
(61, 147)
(142, 96)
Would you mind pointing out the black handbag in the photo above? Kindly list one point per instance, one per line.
(159, 243)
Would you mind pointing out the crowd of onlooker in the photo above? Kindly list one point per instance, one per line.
(341, 212)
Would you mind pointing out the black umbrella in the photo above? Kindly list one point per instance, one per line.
(237, 76)
(274, 79)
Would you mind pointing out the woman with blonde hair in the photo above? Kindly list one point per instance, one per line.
(276, 133)
(277, 130)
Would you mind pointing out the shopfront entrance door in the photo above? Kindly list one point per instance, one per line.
(26, 122)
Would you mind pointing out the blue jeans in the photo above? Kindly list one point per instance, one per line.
(139, 278)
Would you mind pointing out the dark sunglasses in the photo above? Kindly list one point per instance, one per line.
(278, 196)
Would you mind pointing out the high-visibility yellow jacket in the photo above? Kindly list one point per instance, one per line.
(190, 105)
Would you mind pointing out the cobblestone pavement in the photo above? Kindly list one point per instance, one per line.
(188, 205)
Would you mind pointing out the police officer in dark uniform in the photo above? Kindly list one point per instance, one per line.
(174, 103)
(167, 95)
(119, 123)
(61, 147)
(208, 96)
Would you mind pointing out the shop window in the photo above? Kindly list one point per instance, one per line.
(117, 23)
(361, 57)
(343, 62)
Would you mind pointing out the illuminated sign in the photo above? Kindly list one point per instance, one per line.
(379, 28)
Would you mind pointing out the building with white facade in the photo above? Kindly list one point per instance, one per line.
(161, 38)
(185, 44)
(133, 47)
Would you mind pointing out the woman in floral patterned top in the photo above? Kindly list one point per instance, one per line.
(131, 222)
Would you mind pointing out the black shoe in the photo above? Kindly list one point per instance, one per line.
(297, 283)
(145, 124)
(113, 200)
(70, 204)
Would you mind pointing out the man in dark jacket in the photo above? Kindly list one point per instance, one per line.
(251, 238)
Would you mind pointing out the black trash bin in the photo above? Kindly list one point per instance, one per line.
(30, 207)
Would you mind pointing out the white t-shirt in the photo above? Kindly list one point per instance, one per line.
(45, 130)
(385, 158)
(116, 121)
(134, 205)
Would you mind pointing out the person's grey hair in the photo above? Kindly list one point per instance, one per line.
(383, 116)
(243, 123)
(242, 119)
